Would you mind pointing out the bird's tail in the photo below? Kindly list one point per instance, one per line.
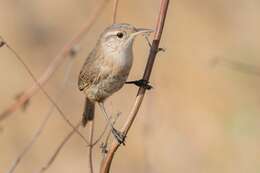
(89, 111)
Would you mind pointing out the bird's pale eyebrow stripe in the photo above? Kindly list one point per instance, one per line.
(108, 37)
(111, 33)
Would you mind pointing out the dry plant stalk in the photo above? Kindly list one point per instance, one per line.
(68, 49)
(115, 9)
(57, 151)
(90, 148)
(106, 164)
(44, 122)
(19, 58)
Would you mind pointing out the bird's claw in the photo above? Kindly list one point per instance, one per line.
(161, 49)
(120, 137)
(141, 83)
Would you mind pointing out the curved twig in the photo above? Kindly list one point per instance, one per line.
(53, 66)
(105, 167)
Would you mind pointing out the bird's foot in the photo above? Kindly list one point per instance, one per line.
(151, 47)
(160, 49)
(141, 83)
(120, 137)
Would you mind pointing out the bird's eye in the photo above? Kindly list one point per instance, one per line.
(120, 35)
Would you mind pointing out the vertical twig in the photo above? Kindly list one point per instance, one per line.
(115, 9)
(53, 66)
(64, 141)
(105, 167)
(90, 149)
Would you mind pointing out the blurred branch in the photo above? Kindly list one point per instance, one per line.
(68, 49)
(57, 151)
(64, 141)
(236, 65)
(44, 122)
(43, 90)
(105, 166)
(30, 144)
(115, 9)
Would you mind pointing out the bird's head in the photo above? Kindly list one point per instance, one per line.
(120, 37)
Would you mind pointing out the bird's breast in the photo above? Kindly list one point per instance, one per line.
(119, 62)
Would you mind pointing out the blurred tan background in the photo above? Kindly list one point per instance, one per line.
(201, 117)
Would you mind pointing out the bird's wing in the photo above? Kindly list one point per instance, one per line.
(90, 72)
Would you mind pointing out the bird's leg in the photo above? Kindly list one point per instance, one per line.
(120, 137)
(141, 83)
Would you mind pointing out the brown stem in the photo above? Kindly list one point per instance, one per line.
(57, 61)
(106, 164)
(90, 149)
(115, 7)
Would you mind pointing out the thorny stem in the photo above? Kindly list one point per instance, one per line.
(106, 164)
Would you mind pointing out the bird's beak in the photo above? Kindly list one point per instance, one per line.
(142, 31)
(139, 31)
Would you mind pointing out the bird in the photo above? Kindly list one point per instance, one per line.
(107, 67)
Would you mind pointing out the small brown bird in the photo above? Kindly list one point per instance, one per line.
(107, 67)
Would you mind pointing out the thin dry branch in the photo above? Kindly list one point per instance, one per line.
(57, 151)
(90, 149)
(106, 164)
(243, 67)
(44, 92)
(115, 9)
(57, 61)
(64, 141)
(29, 145)
(44, 122)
